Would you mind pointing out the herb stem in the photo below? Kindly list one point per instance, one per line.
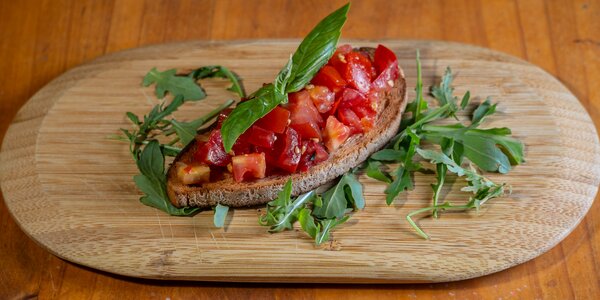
(431, 208)
(419, 88)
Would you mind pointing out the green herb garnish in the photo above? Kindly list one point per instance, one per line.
(314, 52)
(490, 149)
(317, 214)
(149, 154)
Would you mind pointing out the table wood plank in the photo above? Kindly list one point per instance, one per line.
(39, 40)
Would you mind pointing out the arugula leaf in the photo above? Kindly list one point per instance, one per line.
(152, 181)
(185, 131)
(307, 222)
(482, 111)
(283, 212)
(389, 155)
(374, 171)
(315, 49)
(220, 215)
(326, 226)
(246, 113)
(167, 81)
(221, 72)
(335, 200)
(402, 176)
(443, 92)
(490, 149)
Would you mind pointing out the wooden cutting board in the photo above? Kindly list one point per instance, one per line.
(70, 188)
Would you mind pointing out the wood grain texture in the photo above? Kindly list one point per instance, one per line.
(70, 188)
(559, 36)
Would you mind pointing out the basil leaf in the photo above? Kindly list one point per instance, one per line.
(316, 49)
(283, 77)
(167, 81)
(220, 215)
(246, 113)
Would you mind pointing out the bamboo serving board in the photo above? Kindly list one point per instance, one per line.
(71, 189)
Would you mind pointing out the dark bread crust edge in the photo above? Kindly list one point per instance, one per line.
(352, 153)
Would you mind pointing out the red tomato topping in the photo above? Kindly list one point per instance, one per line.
(276, 120)
(212, 152)
(261, 137)
(312, 154)
(322, 98)
(253, 165)
(385, 80)
(362, 60)
(357, 76)
(294, 137)
(302, 109)
(330, 77)
(290, 151)
(335, 133)
(383, 58)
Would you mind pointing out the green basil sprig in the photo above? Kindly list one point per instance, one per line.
(312, 53)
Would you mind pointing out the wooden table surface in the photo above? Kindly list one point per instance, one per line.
(39, 40)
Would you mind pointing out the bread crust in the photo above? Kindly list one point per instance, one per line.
(352, 153)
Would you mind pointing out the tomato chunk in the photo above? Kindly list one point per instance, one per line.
(289, 156)
(357, 76)
(312, 154)
(303, 110)
(385, 80)
(261, 137)
(253, 165)
(212, 152)
(322, 98)
(383, 58)
(350, 119)
(307, 130)
(363, 61)
(335, 133)
(276, 120)
(330, 77)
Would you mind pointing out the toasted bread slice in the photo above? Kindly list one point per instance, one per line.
(352, 153)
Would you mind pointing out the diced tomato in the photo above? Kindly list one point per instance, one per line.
(261, 137)
(322, 98)
(344, 49)
(289, 157)
(253, 165)
(383, 58)
(330, 77)
(307, 130)
(302, 109)
(357, 76)
(312, 154)
(385, 80)
(362, 60)
(350, 119)
(335, 133)
(192, 174)
(212, 152)
(242, 145)
(276, 120)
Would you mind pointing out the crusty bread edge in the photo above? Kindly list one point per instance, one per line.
(352, 153)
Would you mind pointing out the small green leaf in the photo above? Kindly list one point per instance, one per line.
(133, 117)
(221, 72)
(185, 131)
(326, 227)
(220, 215)
(482, 111)
(307, 222)
(335, 200)
(465, 100)
(374, 171)
(389, 155)
(167, 81)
